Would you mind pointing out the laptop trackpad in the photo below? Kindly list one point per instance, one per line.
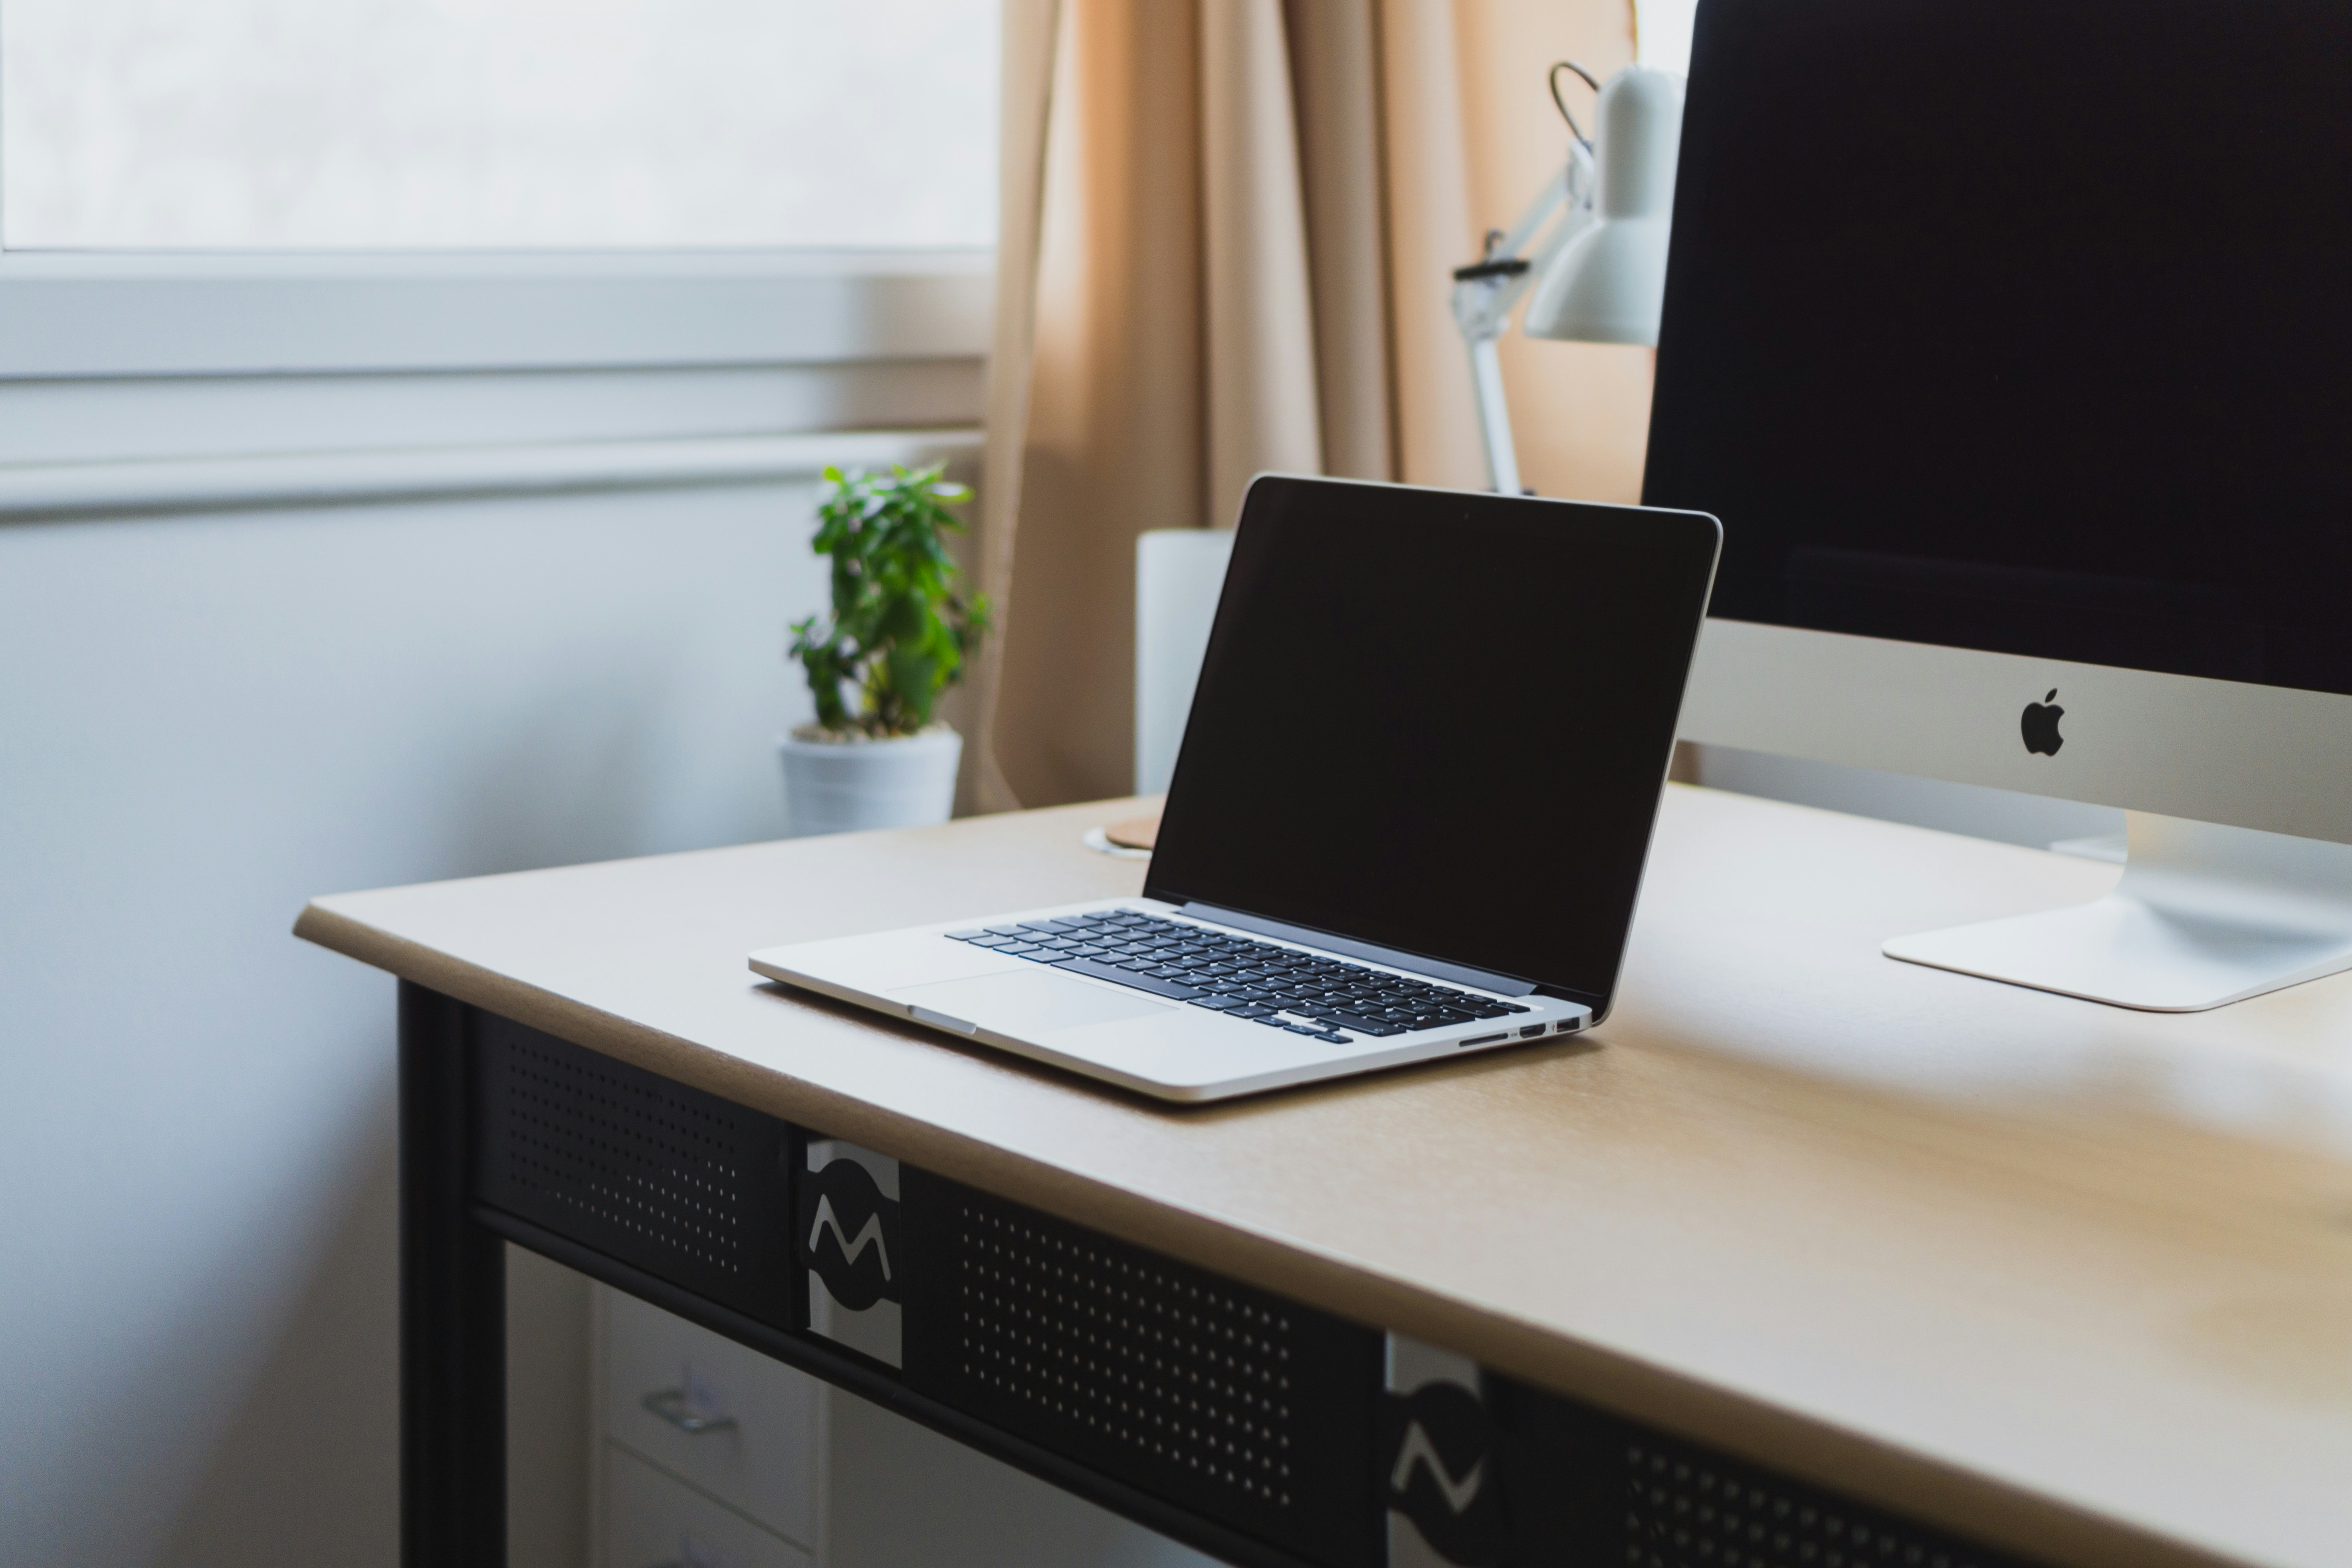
(1023, 1002)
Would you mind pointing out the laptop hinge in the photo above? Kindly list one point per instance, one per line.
(1436, 969)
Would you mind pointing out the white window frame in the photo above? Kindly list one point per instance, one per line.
(369, 348)
(76, 313)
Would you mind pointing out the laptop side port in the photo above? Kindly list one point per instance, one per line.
(1531, 1031)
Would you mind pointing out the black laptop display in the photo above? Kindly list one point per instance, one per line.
(1439, 722)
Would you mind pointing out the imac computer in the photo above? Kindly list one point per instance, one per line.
(2013, 346)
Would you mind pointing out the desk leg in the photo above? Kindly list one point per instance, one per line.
(453, 1462)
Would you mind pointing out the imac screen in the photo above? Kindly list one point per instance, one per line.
(2021, 327)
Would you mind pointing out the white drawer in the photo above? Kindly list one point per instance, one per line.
(651, 1520)
(761, 1449)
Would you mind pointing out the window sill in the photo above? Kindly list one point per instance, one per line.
(35, 492)
(66, 315)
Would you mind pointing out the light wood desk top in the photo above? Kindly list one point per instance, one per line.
(2066, 1278)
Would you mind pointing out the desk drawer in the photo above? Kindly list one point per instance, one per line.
(653, 1520)
(743, 1427)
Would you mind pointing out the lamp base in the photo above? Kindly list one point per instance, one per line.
(2204, 916)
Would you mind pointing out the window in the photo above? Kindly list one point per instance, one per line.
(439, 124)
(464, 182)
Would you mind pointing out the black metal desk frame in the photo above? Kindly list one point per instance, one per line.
(1254, 1428)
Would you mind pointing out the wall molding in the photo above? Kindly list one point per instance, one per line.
(33, 492)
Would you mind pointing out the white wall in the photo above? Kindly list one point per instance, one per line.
(203, 721)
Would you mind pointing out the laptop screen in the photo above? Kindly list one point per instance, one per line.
(1439, 722)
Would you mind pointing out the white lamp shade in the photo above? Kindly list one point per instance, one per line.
(1608, 284)
(1608, 287)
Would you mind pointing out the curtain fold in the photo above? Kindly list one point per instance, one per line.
(1335, 54)
(1431, 231)
(1263, 410)
(1226, 232)
(1030, 29)
(1113, 442)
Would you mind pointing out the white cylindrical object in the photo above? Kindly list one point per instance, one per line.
(1178, 574)
(846, 786)
(1639, 144)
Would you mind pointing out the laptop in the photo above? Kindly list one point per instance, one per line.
(1408, 818)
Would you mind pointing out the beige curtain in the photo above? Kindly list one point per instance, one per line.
(1226, 230)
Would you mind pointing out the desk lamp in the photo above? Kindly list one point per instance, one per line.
(1593, 244)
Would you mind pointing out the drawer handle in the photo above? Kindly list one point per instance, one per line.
(674, 1405)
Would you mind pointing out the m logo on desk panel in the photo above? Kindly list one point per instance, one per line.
(1440, 1471)
(849, 1241)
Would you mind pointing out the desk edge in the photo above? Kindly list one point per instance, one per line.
(1872, 1471)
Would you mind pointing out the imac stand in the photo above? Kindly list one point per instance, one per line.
(2204, 916)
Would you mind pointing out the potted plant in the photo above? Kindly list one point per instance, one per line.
(897, 638)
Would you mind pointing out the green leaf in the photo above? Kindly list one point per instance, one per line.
(897, 632)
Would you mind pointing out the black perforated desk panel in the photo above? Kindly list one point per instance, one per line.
(1253, 1427)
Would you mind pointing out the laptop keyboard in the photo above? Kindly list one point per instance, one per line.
(1260, 981)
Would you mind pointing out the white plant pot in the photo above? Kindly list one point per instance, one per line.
(843, 786)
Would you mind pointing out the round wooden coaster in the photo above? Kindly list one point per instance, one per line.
(1135, 833)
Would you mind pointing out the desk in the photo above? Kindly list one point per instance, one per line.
(1959, 1265)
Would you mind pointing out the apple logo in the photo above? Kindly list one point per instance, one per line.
(2039, 724)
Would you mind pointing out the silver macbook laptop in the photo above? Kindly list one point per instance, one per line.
(1408, 819)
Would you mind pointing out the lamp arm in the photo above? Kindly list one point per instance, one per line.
(1547, 201)
(1488, 290)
